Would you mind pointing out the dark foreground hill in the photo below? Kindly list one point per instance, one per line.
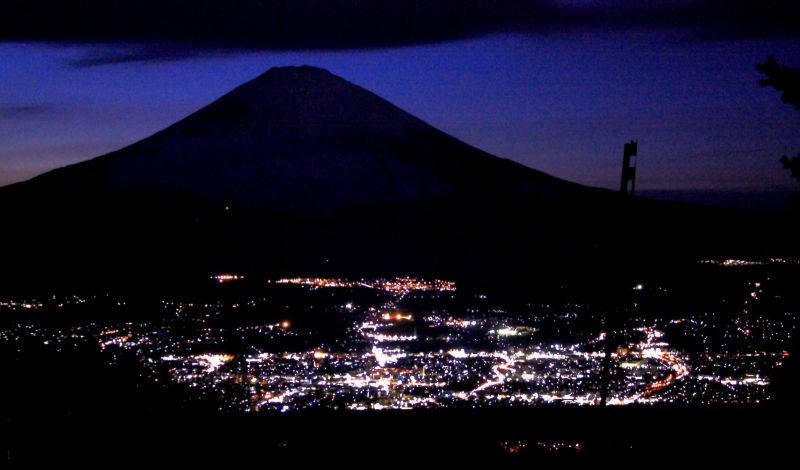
(302, 172)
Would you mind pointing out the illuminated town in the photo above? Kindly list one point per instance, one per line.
(405, 343)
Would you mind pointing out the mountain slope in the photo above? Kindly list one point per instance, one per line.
(300, 171)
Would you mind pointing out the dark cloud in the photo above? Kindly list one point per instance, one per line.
(15, 111)
(175, 29)
(276, 24)
(149, 52)
(699, 19)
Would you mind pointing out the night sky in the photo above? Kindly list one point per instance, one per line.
(557, 86)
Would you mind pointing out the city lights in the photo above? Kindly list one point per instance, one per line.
(406, 348)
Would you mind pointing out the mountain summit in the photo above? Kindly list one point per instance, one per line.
(301, 172)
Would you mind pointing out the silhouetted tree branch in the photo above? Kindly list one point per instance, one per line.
(782, 78)
(787, 80)
(793, 165)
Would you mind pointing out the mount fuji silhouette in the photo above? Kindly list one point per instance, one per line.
(301, 172)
